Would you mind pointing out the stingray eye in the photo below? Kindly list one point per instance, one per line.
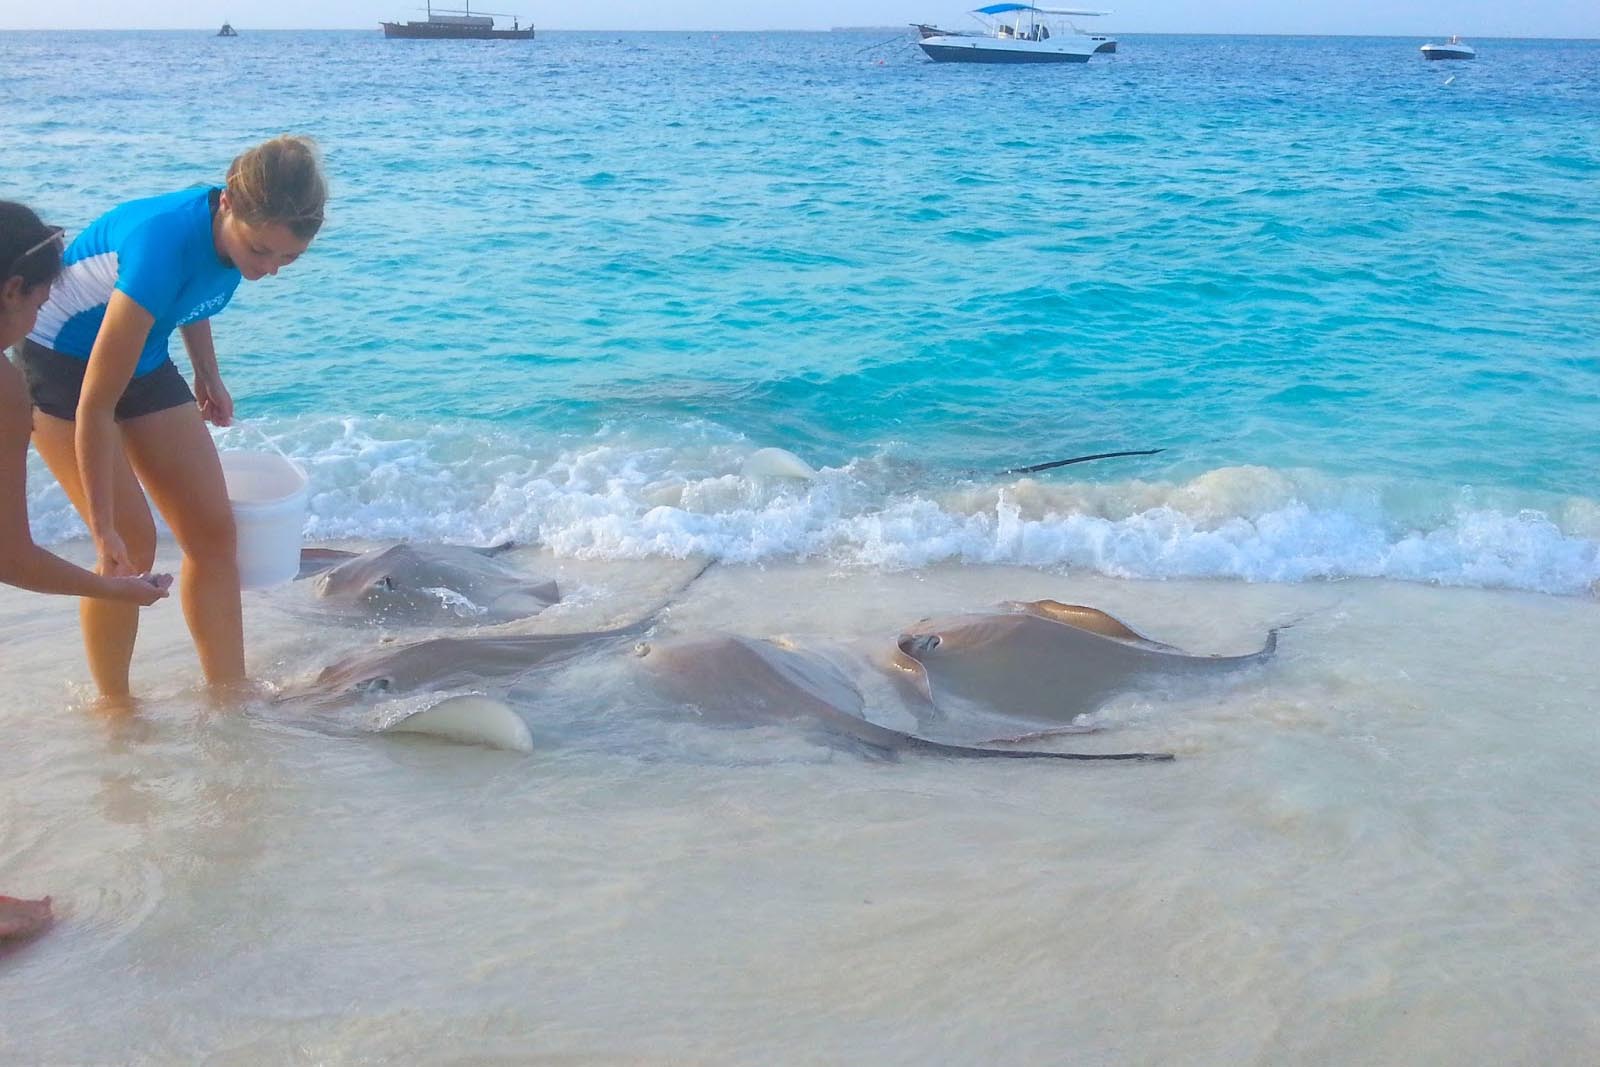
(927, 642)
(372, 685)
(386, 583)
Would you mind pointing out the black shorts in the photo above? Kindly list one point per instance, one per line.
(55, 381)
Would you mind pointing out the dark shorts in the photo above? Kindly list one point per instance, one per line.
(55, 380)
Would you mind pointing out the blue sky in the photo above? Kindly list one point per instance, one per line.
(1470, 18)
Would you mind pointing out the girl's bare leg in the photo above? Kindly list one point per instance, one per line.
(172, 453)
(109, 628)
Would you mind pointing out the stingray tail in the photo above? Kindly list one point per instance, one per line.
(889, 741)
(1268, 649)
(966, 752)
(1053, 464)
(646, 620)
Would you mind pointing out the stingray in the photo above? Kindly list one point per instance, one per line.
(1044, 662)
(476, 662)
(470, 661)
(444, 687)
(777, 463)
(449, 686)
(731, 679)
(425, 583)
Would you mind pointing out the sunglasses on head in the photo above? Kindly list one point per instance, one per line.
(56, 235)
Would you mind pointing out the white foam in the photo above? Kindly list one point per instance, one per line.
(625, 495)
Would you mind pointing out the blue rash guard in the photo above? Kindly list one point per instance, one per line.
(159, 251)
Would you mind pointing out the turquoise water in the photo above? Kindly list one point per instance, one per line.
(567, 286)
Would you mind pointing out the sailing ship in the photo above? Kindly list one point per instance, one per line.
(459, 24)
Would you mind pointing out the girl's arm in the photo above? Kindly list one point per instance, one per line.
(122, 335)
(23, 563)
(216, 405)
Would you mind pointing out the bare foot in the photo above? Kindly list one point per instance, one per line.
(22, 919)
(236, 696)
(114, 708)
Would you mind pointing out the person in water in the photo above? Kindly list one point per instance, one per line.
(116, 422)
(30, 259)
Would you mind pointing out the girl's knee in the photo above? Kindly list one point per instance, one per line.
(211, 537)
(141, 545)
(143, 557)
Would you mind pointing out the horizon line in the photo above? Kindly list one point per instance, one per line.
(769, 29)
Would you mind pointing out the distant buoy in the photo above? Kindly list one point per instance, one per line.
(777, 463)
(1450, 80)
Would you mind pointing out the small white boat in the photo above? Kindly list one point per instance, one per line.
(1454, 48)
(1018, 33)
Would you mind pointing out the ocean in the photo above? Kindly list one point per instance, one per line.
(567, 287)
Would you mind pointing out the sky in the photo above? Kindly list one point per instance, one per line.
(1418, 18)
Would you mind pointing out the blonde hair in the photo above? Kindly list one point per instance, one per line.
(279, 181)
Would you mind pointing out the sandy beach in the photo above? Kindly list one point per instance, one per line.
(1379, 849)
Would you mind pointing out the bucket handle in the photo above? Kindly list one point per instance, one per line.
(253, 428)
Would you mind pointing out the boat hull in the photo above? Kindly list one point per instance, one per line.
(952, 48)
(426, 31)
(1447, 53)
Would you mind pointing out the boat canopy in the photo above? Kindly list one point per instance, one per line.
(1006, 9)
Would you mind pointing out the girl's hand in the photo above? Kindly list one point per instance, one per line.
(141, 589)
(216, 404)
(21, 919)
(113, 562)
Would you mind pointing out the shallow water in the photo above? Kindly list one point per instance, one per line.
(1379, 848)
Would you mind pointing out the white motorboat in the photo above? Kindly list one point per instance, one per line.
(1018, 33)
(1454, 48)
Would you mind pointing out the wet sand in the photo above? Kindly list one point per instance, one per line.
(1380, 848)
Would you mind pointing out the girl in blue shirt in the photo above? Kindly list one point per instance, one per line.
(115, 420)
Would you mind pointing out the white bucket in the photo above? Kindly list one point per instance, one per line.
(268, 494)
